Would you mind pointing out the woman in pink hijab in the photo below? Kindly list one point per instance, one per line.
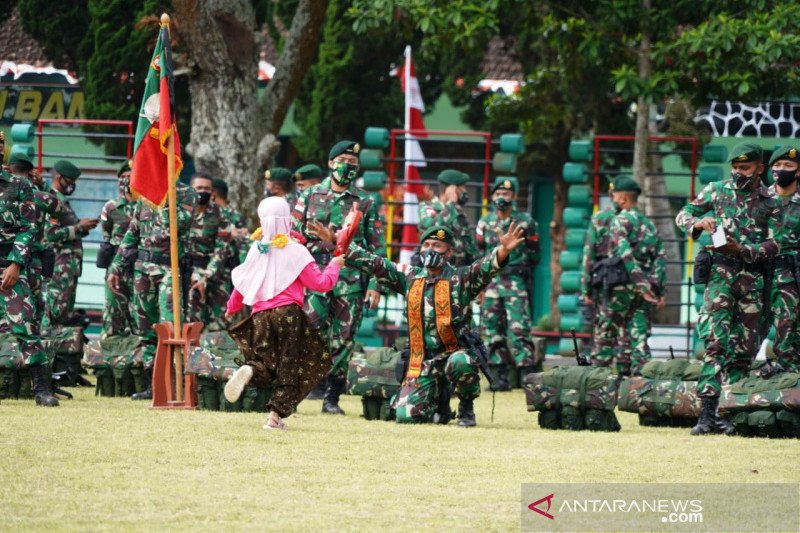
(277, 340)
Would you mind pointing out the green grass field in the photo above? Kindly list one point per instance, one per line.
(114, 464)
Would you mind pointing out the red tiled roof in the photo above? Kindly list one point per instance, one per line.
(17, 46)
(500, 62)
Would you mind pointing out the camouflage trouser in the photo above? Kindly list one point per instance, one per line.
(733, 304)
(62, 286)
(418, 404)
(197, 309)
(35, 281)
(785, 305)
(337, 318)
(17, 318)
(152, 298)
(506, 317)
(217, 296)
(623, 322)
(118, 313)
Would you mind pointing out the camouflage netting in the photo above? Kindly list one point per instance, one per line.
(665, 395)
(573, 397)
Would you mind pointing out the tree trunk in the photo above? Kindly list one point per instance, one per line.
(233, 137)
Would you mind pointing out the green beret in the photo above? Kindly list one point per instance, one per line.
(789, 153)
(439, 233)
(278, 174)
(220, 186)
(508, 183)
(308, 172)
(452, 177)
(625, 184)
(67, 169)
(127, 166)
(20, 158)
(344, 147)
(745, 152)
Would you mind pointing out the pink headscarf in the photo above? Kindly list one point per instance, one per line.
(270, 268)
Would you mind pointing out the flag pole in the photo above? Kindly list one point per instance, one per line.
(173, 251)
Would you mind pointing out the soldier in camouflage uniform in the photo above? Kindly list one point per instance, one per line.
(64, 233)
(118, 315)
(337, 314)
(448, 211)
(625, 316)
(208, 248)
(734, 298)
(18, 228)
(279, 183)
(785, 167)
(239, 246)
(596, 247)
(147, 243)
(436, 295)
(41, 256)
(307, 176)
(506, 307)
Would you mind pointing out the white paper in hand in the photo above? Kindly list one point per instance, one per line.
(718, 237)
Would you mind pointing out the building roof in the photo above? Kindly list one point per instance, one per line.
(500, 62)
(17, 46)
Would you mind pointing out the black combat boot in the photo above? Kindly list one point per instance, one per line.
(318, 392)
(466, 414)
(710, 422)
(146, 394)
(330, 403)
(41, 386)
(501, 383)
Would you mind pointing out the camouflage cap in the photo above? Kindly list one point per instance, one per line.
(788, 153)
(344, 147)
(278, 174)
(21, 158)
(438, 233)
(308, 172)
(625, 184)
(67, 169)
(745, 152)
(452, 177)
(127, 166)
(509, 183)
(220, 187)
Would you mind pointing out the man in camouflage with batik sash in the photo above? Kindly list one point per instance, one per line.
(337, 314)
(436, 296)
(735, 296)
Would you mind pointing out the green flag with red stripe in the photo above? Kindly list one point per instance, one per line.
(150, 172)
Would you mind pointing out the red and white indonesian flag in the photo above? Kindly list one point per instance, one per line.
(150, 172)
(413, 153)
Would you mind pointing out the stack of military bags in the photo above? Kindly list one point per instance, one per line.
(376, 377)
(573, 397)
(664, 395)
(15, 382)
(214, 362)
(759, 407)
(65, 344)
(117, 364)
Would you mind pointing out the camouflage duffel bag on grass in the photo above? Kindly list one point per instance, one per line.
(759, 407)
(117, 363)
(765, 423)
(665, 394)
(375, 376)
(66, 345)
(573, 397)
(214, 362)
(14, 378)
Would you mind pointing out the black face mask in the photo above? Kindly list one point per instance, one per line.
(741, 181)
(502, 203)
(124, 186)
(463, 198)
(784, 177)
(203, 198)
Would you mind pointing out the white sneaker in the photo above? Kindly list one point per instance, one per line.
(239, 380)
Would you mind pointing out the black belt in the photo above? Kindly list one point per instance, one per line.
(738, 264)
(158, 258)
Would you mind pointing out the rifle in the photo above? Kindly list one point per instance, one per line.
(582, 361)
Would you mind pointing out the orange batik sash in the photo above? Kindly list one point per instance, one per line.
(416, 325)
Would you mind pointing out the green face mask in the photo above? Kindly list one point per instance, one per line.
(344, 173)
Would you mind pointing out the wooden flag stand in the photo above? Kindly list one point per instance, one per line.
(165, 375)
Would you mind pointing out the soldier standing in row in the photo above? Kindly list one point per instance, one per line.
(208, 248)
(506, 307)
(448, 210)
(785, 168)
(118, 315)
(147, 242)
(239, 246)
(18, 228)
(279, 183)
(734, 300)
(436, 295)
(337, 314)
(625, 316)
(64, 234)
(307, 176)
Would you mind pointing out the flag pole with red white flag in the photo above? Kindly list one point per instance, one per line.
(414, 157)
